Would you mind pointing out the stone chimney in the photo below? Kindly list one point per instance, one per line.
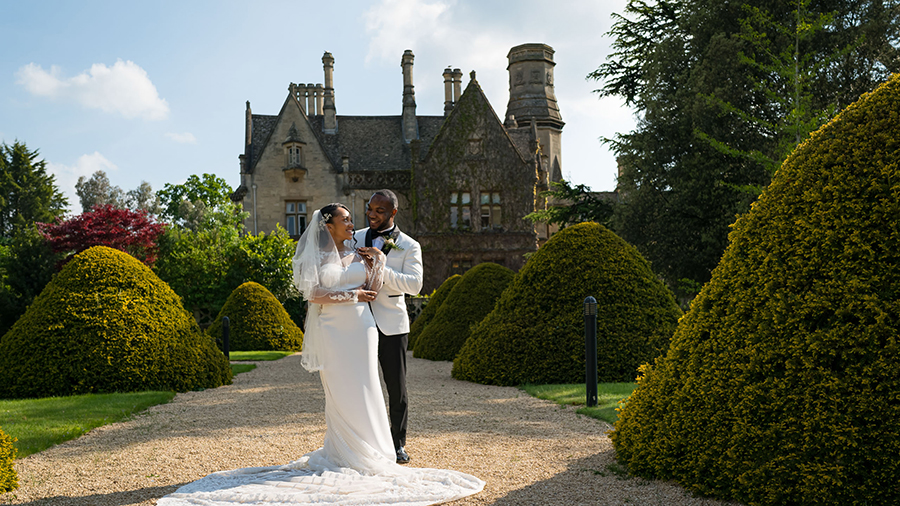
(448, 90)
(328, 108)
(457, 85)
(410, 125)
(320, 98)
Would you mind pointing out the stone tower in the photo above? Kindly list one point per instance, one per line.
(531, 99)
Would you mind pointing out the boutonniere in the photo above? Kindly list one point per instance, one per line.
(389, 244)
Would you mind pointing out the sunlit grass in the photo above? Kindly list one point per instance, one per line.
(608, 397)
(241, 356)
(41, 423)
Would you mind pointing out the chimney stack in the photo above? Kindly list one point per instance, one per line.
(448, 90)
(457, 83)
(328, 108)
(410, 125)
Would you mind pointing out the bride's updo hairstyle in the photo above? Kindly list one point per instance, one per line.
(328, 211)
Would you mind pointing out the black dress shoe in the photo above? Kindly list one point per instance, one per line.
(402, 456)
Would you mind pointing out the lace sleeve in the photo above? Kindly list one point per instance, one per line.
(325, 296)
(375, 273)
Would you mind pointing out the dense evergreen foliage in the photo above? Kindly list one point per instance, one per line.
(106, 323)
(722, 90)
(27, 263)
(434, 303)
(470, 300)
(257, 321)
(535, 334)
(781, 385)
(9, 480)
(28, 193)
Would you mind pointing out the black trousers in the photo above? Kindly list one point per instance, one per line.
(392, 357)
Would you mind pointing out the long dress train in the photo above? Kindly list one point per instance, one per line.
(356, 464)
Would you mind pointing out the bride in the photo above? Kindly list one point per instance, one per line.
(356, 464)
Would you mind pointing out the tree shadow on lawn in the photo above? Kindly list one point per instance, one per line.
(123, 498)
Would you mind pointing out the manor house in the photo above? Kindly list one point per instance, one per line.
(465, 179)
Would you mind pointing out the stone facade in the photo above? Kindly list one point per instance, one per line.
(465, 180)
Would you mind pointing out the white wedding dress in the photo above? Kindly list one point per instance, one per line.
(357, 464)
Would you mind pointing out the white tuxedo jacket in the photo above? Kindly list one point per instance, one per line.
(403, 273)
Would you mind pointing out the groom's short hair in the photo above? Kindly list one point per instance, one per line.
(388, 194)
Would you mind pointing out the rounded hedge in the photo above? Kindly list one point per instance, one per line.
(9, 480)
(468, 302)
(434, 303)
(535, 334)
(782, 384)
(257, 321)
(107, 323)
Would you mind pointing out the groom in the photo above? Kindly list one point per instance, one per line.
(402, 275)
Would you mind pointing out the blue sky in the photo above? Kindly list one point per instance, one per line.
(155, 91)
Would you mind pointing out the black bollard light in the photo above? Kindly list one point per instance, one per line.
(590, 350)
(226, 329)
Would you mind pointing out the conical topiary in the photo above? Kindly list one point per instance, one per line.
(107, 323)
(9, 480)
(434, 303)
(469, 301)
(257, 321)
(782, 385)
(535, 334)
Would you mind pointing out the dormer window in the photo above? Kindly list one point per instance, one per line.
(294, 164)
(294, 155)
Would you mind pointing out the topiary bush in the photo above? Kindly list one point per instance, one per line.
(9, 480)
(781, 385)
(468, 302)
(257, 321)
(107, 323)
(535, 334)
(434, 303)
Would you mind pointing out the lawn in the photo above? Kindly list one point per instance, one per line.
(608, 397)
(41, 423)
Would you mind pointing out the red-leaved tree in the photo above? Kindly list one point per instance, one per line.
(133, 232)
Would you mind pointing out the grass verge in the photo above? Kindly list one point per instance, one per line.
(243, 356)
(41, 423)
(608, 397)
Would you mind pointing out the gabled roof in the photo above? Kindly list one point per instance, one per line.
(473, 92)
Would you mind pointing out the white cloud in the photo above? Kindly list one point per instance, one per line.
(123, 88)
(398, 25)
(185, 138)
(67, 175)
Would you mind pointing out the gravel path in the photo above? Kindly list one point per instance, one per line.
(528, 451)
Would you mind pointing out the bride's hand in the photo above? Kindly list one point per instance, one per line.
(365, 295)
(370, 254)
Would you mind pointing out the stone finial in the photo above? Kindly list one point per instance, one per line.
(472, 75)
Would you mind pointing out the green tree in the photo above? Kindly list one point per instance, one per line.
(568, 205)
(208, 191)
(98, 191)
(28, 193)
(676, 62)
(143, 198)
(27, 264)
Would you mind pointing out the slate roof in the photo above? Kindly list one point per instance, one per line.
(371, 142)
(375, 143)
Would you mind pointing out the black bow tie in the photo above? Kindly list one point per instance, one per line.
(384, 233)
